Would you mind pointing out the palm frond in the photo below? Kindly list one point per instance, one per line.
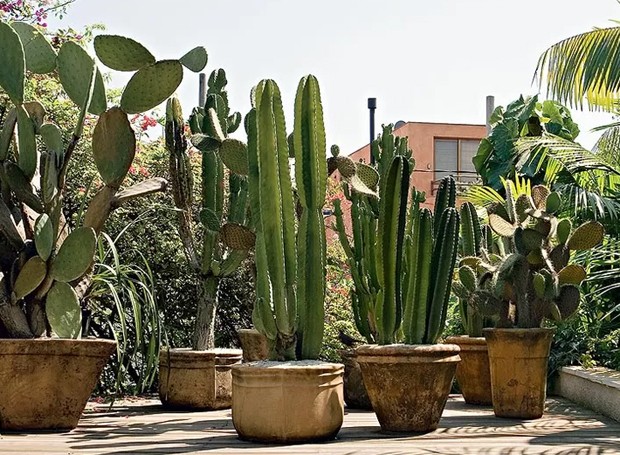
(482, 196)
(583, 68)
(607, 147)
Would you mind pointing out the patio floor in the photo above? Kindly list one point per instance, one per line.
(144, 427)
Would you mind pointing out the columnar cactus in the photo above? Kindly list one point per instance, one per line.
(226, 240)
(401, 267)
(290, 262)
(45, 266)
(533, 279)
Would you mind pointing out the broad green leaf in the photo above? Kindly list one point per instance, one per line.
(12, 63)
(151, 86)
(40, 55)
(121, 53)
(195, 60)
(30, 277)
(114, 146)
(63, 311)
(44, 236)
(75, 255)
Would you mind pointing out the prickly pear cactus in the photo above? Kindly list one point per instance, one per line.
(531, 278)
(45, 266)
(226, 236)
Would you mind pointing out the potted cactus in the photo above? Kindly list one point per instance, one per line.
(473, 373)
(404, 271)
(200, 377)
(531, 281)
(285, 400)
(49, 371)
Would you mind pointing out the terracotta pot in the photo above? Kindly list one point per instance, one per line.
(408, 385)
(287, 402)
(518, 359)
(473, 372)
(46, 382)
(355, 395)
(254, 345)
(196, 380)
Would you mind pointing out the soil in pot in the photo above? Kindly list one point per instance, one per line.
(473, 373)
(408, 385)
(196, 380)
(46, 382)
(287, 402)
(254, 345)
(518, 360)
(355, 395)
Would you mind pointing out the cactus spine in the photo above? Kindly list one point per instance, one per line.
(290, 263)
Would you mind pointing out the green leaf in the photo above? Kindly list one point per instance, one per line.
(52, 137)
(12, 63)
(75, 255)
(195, 60)
(63, 311)
(40, 55)
(28, 155)
(44, 236)
(114, 146)
(30, 277)
(151, 86)
(75, 68)
(121, 53)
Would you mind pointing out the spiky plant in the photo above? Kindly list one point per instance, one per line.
(45, 266)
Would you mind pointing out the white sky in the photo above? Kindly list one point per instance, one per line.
(432, 60)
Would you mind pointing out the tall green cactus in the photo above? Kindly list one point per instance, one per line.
(290, 262)
(532, 277)
(226, 239)
(45, 266)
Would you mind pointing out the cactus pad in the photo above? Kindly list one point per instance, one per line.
(233, 121)
(346, 166)
(210, 220)
(27, 159)
(30, 277)
(360, 187)
(539, 196)
(151, 85)
(559, 257)
(205, 143)
(553, 203)
(565, 226)
(195, 60)
(114, 146)
(75, 255)
(532, 239)
(522, 204)
(234, 155)
(568, 301)
(40, 56)
(44, 236)
(335, 150)
(52, 137)
(20, 185)
(12, 63)
(500, 226)
(121, 53)
(63, 311)
(75, 68)
(540, 285)
(572, 274)
(368, 175)
(468, 277)
(237, 237)
(586, 236)
(6, 133)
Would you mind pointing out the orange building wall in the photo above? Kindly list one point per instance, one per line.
(421, 137)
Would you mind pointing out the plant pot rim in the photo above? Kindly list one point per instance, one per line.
(91, 347)
(57, 340)
(465, 340)
(518, 330)
(203, 355)
(418, 350)
(290, 365)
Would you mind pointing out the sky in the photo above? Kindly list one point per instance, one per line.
(431, 61)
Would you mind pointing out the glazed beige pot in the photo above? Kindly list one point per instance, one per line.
(287, 402)
(196, 380)
(355, 395)
(518, 359)
(46, 382)
(254, 345)
(408, 385)
(473, 372)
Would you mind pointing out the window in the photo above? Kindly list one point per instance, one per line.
(454, 157)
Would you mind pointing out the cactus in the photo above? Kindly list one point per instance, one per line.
(45, 266)
(532, 279)
(290, 261)
(401, 268)
(226, 237)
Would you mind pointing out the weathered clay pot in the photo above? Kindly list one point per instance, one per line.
(196, 380)
(355, 395)
(253, 344)
(473, 373)
(518, 359)
(46, 383)
(408, 385)
(287, 402)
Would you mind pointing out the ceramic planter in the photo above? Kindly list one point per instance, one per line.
(473, 372)
(254, 345)
(518, 360)
(355, 395)
(46, 382)
(408, 385)
(196, 380)
(287, 402)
